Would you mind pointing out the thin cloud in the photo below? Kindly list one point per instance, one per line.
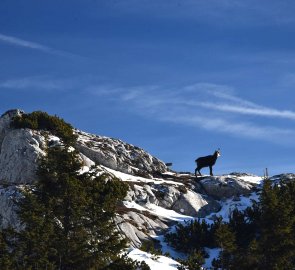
(34, 46)
(189, 106)
(225, 100)
(39, 83)
(262, 111)
(239, 129)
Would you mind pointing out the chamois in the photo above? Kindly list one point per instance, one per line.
(207, 161)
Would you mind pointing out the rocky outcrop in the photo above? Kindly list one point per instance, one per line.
(139, 226)
(220, 187)
(20, 150)
(5, 121)
(195, 205)
(175, 197)
(118, 155)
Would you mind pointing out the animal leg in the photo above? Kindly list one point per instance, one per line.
(211, 172)
(198, 170)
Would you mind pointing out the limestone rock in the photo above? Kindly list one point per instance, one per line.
(166, 195)
(5, 121)
(20, 152)
(118, 155)
(139, 227)
(220, 187)
(195, 204)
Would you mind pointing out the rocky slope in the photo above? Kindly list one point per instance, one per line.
(157, 197)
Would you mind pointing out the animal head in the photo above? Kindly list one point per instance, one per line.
(217, 152)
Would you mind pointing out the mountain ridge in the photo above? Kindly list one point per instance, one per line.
(157, 197)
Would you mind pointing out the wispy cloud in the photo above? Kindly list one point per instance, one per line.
(207, 106)
(34, 46)
(259, 111)
(39, 83)
(203, 105)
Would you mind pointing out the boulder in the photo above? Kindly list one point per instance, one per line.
(220, 187)
(195, 204)
(166, 195)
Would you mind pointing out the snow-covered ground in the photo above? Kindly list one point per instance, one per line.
(229, 205)
(155, 262)
(158, 211)
(162, 262)
(131, 178)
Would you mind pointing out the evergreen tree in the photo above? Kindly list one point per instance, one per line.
(225, 239)
(194, 261)
(69, 216)
(6, 258)
(277, 239)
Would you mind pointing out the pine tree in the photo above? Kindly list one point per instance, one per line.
(225, 239)
(69, 216)
(277, 241)
(194, 261)
(6, 258)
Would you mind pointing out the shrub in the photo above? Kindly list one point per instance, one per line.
(39, 120)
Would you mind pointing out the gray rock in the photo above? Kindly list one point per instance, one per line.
(118, 155)
(20, 152)
(194, 204)
(220, 187)
(134, 235)
(139, 227)
(166, 195)
(5, 121)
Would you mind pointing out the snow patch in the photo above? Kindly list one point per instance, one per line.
(155, 262)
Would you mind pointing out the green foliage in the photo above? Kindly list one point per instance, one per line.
(68, 218)
(39, 120)
(261, 237)
(225, 239)
(194, 261)
(277, 226)
(151, 246)
(191, 236)
(6, 257)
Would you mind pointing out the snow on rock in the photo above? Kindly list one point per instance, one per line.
(158, 211)
(156, 198)
(286, 177)
(118, 155)
(155, 262)
(220, 187)
(235, 203)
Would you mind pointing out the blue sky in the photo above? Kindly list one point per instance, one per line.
(179, 78)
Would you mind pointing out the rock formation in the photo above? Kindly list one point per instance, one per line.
(150, 184)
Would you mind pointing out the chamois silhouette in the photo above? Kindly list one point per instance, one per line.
(207, 161)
